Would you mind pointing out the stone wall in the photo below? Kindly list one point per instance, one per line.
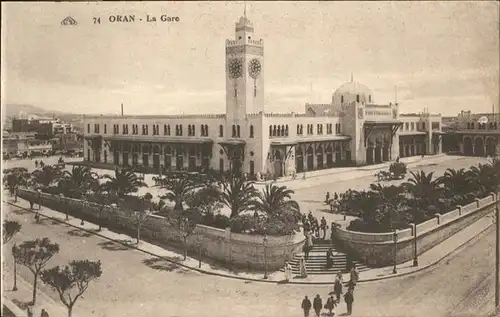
(233, 249)
(377, 249)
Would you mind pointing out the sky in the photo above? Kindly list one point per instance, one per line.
(443, 56)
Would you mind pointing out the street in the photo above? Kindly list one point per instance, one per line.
(135, 284)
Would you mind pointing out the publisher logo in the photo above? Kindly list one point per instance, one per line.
(69, 21)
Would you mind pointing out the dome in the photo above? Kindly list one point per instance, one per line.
(352, 91)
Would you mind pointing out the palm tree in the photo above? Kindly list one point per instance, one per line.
(424, 194)
(178, 188)
(273, 200)
(78, 181)
(237, 193)
(124, 182)
(15, 177)
(46, 176)
(484, 178)
(456, 185)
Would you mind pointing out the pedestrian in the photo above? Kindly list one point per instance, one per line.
(337, 289)
(36, 163)
(307, 226)
(288, 271)
(29, 311)
(330, 305)
(302, 268)
(329, 258)
(31, 204)
(317, 305)
(306, 306)
(323, 226)
(335, 196)
(327, 198)
(339, 276)
(354, 275)
(310, 217)
(349, 299)
(44, 313)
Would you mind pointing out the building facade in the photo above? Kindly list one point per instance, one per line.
(474, 134)
(44, 128)
(351, 130)
(25, 144)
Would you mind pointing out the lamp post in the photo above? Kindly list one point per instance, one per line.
(264, 242)
(395, 238)
(14, 288)
(37, 213)
(65, 205)
(415, 255)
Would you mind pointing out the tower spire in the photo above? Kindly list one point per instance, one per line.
(352, 78)
(245, 9)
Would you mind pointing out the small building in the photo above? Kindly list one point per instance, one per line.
(24, 144)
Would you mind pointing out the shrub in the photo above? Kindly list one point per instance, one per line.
(244, 223)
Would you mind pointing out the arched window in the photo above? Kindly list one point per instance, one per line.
(472, 125)
(238, 130)
(298, 128)
(221, 131)
(357, 98)
(234, 131)
(251, 131)
(341, 99)
(369, 98)
(274, 130)
(278, 133)
(270, 130)
(282, 130)
(286, 130)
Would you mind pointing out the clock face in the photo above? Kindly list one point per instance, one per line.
(235, 68)
(254, 68)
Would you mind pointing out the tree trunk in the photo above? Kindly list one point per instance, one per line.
(185, 248)
(70, 311)
(35, 282)
(100, 220)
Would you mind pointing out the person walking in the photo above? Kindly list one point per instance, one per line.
(317, 305)
(327, 198)
(330, 305)
(36, 163)
(337, 289)
(288, 271)
(329, 258)
(354, 276)
(349, 299)
(302, 268)
(323, 226)
(44, 313)
(306, 306)
(29, 311)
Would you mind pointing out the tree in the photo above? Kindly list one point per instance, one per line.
(484, 178)
(124, 182)
(72, 280)
(424, 195)
(139, 209)
(237, 193)
(185, 221)
(206, 199)
(10, 228)
(34, 255)
(15, 177)
(102, 198)
(178, 188)
(75, 183)
(46, 176)
(456, 185)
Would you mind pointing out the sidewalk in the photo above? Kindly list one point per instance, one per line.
(23, 295)
(429, 258)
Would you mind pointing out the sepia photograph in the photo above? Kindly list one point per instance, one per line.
(250, 158)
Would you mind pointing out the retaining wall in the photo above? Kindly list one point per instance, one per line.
(233, 249)
(377, 249)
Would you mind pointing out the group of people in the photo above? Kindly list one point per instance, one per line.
(313, 226)
(334, 296)
(43, 313)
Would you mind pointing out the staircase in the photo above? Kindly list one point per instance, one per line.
(316, 263)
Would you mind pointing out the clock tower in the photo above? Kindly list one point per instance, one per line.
(244, 73)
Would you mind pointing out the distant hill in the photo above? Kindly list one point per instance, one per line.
(16, 110)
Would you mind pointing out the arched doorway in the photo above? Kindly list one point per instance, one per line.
(145, 156)
(179, 159)
(116, 158)
(192, 160)
(491, 146)
(156, 158)
(319, 157)
(378, 152)
(479, 147)
(338, 154)
(385, 152)
(299, 160)
(401, 149)
(369, 154)
(125, 156)
(329, 156)
(278, 164)
(252, 168)
(310, 158)
(468, 148)
(167, 158)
